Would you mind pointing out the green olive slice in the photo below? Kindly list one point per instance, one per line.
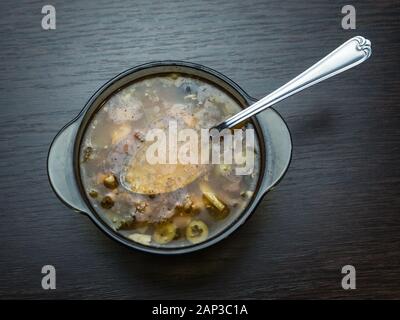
(164, 233)
(196, 231)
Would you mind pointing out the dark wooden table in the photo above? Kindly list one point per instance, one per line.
(339, 203)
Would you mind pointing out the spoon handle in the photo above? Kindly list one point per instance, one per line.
(348, 55)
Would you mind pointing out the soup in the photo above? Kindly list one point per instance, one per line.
(164, 204)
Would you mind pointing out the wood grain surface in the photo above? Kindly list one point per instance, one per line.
(338, 204)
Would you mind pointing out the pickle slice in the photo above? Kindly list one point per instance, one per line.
(196, 231)
(164, 233)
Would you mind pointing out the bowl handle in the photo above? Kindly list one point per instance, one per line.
(278, 142)
(60, 168)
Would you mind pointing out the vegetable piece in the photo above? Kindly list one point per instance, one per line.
(87, 153)
(144, 239)
(110, 181)
(218, 209)
(139, 136)
(214, 212)
(212, 199)
(164, 233)
(93, 193)
(125, 222)
(99, 178)
(196, 231)
(189, 120)
(182, 220)
(140, 206)
(186, 206)
(120, 133)
(190, 97)
(246, 194)
(107, 202)
(224, 169)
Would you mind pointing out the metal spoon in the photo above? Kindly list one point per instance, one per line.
(348, 55)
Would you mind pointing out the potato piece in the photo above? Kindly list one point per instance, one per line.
(189, 120)
(212, 198)
(110, 181)
(144, 239)
(100, 178)
(181, 221)
(196, 231)
(119, 134)
(164, 233)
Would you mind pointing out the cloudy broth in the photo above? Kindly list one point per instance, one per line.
(167, 205)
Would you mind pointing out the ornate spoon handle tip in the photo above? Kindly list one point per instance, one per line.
(348, 55)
